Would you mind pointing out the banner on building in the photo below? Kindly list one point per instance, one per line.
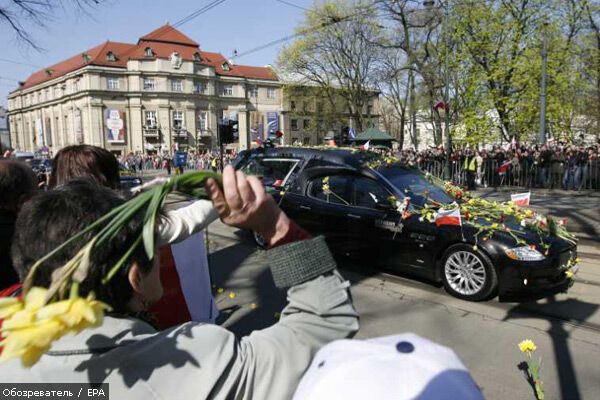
(116, 130)
(48, 130)
(272, 123)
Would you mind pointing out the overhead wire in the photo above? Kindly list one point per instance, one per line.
(332, 21)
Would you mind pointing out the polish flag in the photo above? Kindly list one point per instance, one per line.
(366, 145)
(502, 169)
(186, 283)
(521, 199)
(448, 217)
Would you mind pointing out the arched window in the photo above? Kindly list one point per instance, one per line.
(197, 57)
(148, 52)
(225, 66)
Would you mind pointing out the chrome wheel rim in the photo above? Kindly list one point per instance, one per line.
(259, 239)
(465, 272)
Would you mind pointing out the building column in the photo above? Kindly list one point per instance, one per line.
(284, 126)
(213, 124)
(136, 126)
(164, 124)
(243, 130)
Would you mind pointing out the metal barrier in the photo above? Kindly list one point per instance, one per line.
(523, 174)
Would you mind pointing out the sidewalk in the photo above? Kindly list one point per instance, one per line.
(581, 209)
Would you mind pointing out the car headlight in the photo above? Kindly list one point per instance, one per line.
(524, 253)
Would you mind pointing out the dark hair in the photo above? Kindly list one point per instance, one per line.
(85, 161)
(52, 217)
(17, 184)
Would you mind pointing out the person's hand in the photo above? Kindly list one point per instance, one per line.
(243, 203)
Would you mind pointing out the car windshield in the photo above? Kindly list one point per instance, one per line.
(412, 183)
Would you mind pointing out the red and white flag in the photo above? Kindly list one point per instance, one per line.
(186, 283)
(521, 199)
(502, 168)
(448, 217)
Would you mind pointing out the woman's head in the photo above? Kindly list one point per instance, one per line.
(85, 161)
(52, 217)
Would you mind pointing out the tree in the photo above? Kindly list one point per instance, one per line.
(16, 13)
(335, 51)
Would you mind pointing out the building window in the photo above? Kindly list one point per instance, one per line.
(270, 93)
(227, 90)
(150, 119)
(112, 83)
(76, 85)
(200, 87)
(306, 123)
(148, 52)
(110, 56)
(294, 124)
(197, 57)
(149, 84)
(253, 91)
(202, 121)
(292, 105)
(177, 120)
(176, 85)
(225, 66)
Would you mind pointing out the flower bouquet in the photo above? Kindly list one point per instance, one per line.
(43, 315)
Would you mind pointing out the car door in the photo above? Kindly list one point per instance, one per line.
(371, 219)
(324, 207)
(395, 243)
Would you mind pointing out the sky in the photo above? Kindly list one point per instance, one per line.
(232, 25)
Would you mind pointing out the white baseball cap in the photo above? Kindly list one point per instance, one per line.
(396, 367)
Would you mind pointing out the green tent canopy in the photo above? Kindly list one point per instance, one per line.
(375, 137)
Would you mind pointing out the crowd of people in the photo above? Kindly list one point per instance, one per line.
(552, 166)
(206, 160)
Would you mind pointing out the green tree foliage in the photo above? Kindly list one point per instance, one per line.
(335, 52)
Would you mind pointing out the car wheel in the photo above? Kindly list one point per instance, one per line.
(259, 240)
(468, 274)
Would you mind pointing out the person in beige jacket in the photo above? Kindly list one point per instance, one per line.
(193, 360)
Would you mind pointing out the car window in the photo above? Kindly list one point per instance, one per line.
(272, 171)
(335, 189)
(369, 193)
(415, 185)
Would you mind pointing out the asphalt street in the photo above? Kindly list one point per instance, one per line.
(566, 327)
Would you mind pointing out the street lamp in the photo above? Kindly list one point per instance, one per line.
(446, 106)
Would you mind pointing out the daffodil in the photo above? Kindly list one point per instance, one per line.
(569, 274)
(527, 346)
(9, 306)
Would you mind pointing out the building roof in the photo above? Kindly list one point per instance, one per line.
(168, 34)
(163, 41)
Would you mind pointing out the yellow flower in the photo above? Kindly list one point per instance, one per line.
(9, 306)
(30, 342)
(29, 332)
(527, 346)
(253, 306)
(325, 188)
(231, 295)
(494, 226)
(220, 290)
(569, 274)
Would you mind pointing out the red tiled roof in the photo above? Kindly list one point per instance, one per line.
(163, 43)
(96, 56)
(168, 34)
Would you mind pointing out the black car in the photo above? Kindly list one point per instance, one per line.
(345, 195)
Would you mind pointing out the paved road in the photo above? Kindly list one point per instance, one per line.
(566, 328)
